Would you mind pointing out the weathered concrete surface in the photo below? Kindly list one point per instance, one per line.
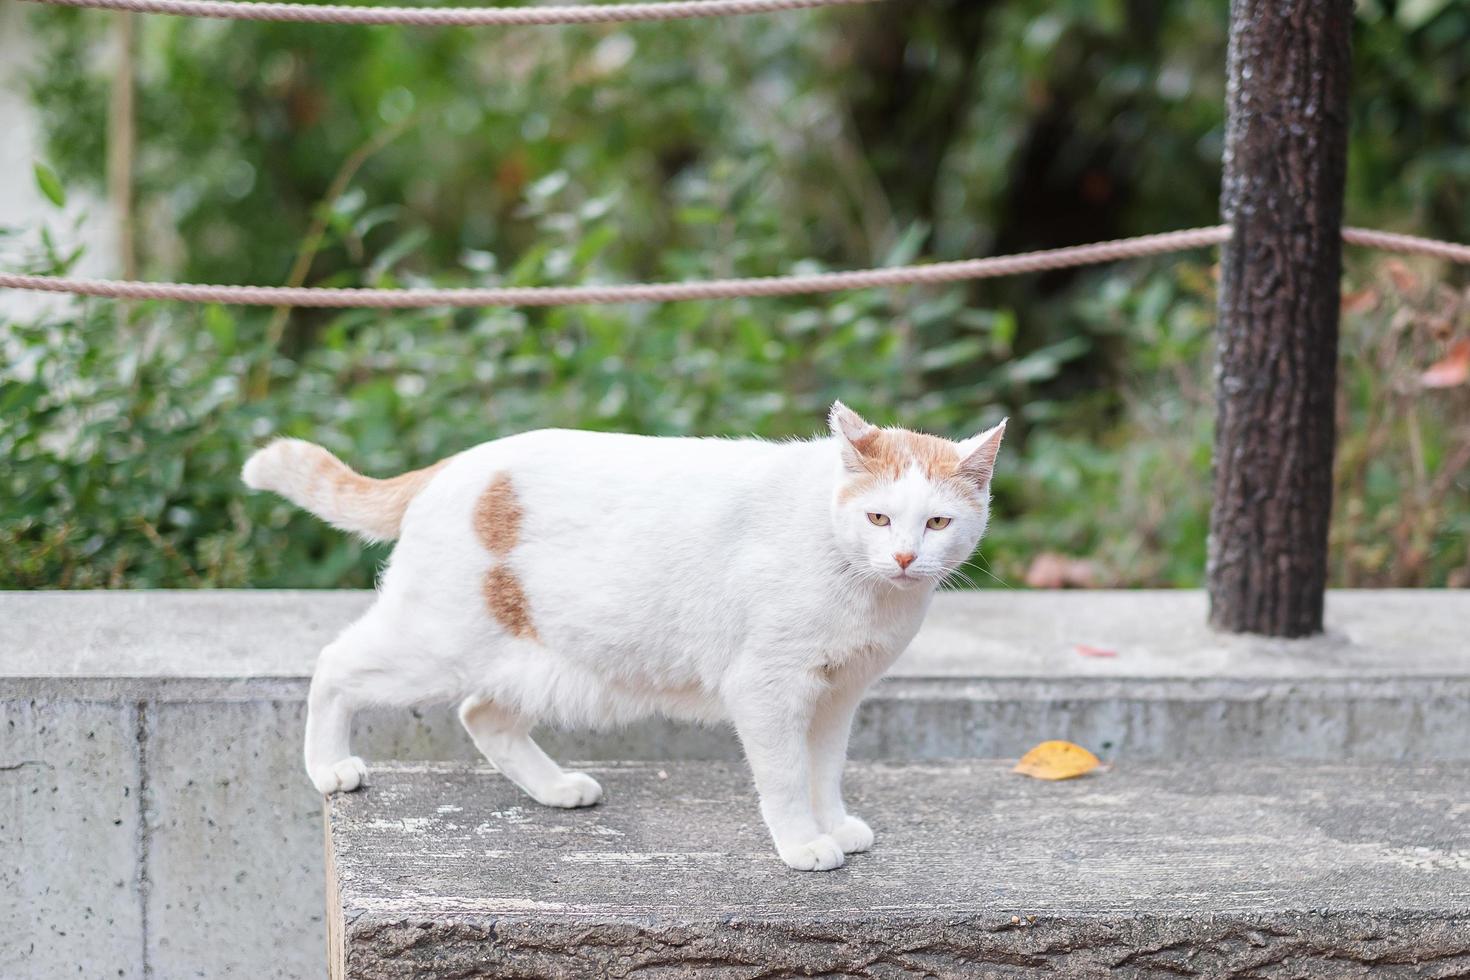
(236, 837)
(71, 883)
(1228, 869)
(188, 708)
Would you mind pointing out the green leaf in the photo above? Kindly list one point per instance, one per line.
(1003, 333)
(906, 249)
(1414, 14)
(398, 250)
(1043, 364)
(50, 185)
(221, 325)
(963, 351)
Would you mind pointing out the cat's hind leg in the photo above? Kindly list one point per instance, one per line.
(504, 738)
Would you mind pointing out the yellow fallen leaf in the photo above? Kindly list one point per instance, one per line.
(1057, 760)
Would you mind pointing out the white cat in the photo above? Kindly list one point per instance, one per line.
(590, 579)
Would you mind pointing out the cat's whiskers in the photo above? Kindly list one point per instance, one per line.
(948, 584)
(984, 566)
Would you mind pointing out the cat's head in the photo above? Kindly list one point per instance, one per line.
(910, 508)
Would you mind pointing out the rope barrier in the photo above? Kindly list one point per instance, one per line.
(669, 292)
(452, 16)
(1390, 241)
(823, 282)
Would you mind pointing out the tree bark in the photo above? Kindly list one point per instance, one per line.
(122, 142)
(1285, 164)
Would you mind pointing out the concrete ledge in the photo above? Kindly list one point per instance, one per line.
(161, 732)
(990, 674)
(1200, 870)
(218, 644)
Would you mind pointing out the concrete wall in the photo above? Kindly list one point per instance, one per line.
(155, 822)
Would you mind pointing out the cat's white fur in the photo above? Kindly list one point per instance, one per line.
(704, 579)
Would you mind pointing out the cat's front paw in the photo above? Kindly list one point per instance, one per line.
(853, 835)
(340, 777)
(574, 789)
(821, 854)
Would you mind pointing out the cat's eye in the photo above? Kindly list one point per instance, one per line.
(881, 520)
(939, 523)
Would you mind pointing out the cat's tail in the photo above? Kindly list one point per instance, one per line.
(315, 480)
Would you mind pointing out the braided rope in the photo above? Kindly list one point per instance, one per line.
(824, 282)
(668, 292)
(1390, 241)
(452, 16)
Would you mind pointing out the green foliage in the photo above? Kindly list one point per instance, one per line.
(1404, 450)
(747, 146)
(124, 436)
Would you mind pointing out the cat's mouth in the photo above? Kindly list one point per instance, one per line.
(907, 578)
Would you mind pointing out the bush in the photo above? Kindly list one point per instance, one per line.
(384, 157)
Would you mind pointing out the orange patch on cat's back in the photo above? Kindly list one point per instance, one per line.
(498, 516)
(497, 520)
(508, 603)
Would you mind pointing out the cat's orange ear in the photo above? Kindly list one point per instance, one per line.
(857, 437)
(977, 462)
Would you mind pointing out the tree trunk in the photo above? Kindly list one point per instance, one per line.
(1285, 162)
(122, 142)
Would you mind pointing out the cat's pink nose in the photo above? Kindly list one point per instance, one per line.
(904, 559)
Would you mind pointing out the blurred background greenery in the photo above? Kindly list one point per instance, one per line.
(938, 129)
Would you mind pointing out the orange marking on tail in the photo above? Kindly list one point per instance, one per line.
(377, 505)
